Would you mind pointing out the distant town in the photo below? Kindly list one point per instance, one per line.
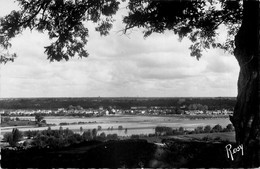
(194, 109)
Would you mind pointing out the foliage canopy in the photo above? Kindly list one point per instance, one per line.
(62, 20)
(197, 20)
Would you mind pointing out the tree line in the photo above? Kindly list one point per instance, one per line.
(168, 131)
(54, 138)
(66, 137)
(120, 103)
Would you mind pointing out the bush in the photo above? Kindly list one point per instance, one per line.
(134, 136)
(101, 137)
(181, 130)
(38, 118)
(207, 129)
(151, 135)
(191, 132)
(56, 138)
(217, 139)
(217, 128)
(75, 138)
(99, 128)
(31, 134)
(87, 135)
(81, 129)
(63, 124)
(13, 137)
(26, 144)
(206, 138)
(39, 141)
(163, 130)
(98, 138)
(198, 129)
(120, 127)
(8, 137)
(229, 128)
(175, 132)
(94, 133)
(112, 137)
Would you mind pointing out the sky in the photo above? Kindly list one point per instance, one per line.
(118, 66)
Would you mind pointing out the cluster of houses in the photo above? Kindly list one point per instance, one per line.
(209, 112)
(174, 110)
(79, 111)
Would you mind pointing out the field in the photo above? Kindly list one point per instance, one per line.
(134, 124)
(18, 123)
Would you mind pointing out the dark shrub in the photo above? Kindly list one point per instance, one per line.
(134, 136)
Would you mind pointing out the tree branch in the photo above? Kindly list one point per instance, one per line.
(32, 16)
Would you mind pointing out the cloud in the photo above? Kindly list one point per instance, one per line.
(118, 65)
(220, 62)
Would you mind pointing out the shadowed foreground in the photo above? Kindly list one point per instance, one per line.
(124, 153)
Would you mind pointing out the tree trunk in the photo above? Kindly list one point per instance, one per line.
(246, 112)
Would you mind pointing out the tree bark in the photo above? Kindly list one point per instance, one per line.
(246, 113)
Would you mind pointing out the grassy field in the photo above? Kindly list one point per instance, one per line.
(18, 123)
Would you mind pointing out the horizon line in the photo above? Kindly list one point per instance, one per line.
(46, 97)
